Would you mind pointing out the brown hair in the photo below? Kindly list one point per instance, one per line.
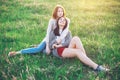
(56, 30)
(54, 14)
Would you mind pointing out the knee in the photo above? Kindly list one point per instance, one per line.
(76, 38)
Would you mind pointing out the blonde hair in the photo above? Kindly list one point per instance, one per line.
(54, 14)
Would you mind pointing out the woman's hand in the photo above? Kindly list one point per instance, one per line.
(48, 49)
(56, 46)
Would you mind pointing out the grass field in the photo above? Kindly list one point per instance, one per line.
(24, 22)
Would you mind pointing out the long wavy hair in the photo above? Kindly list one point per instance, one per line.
(56, 30)
(54, 14)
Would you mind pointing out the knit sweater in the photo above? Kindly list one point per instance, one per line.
(52, 40)
(52, 26)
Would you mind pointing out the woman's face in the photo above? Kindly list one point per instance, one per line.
(60, 12)
(62, 22)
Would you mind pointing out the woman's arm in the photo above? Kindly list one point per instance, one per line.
(49, 29)
(66, 43)
(67, 39)
(52, 39)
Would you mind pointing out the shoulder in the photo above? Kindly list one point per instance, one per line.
(52, 20)
(68, 19)
(68, 34)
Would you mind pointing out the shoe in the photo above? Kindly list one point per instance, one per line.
(101, 68)
(12, 53)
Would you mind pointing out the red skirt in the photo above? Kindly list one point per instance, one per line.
(60, 51)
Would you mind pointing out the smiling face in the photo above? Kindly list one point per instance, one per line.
(60, 12)
(62, 22)
(60, 25)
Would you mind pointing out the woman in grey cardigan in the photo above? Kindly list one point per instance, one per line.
(70, 47)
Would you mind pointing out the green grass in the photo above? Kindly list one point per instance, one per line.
(24, 22)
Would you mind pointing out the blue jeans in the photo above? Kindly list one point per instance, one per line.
(39, 48)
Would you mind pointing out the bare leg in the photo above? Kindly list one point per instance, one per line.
(69, 53)
(76, 43)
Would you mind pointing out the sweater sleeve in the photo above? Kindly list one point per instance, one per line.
(67, 39)
(65, 32)
(49, 29)
(52, 39)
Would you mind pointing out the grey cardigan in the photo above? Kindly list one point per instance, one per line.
(52, 40)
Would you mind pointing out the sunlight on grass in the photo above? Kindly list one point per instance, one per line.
(24, 22)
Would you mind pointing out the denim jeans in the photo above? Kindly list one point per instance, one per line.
(39, 48)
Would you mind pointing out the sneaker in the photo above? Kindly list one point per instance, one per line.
(101, 68)
(12, 53)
